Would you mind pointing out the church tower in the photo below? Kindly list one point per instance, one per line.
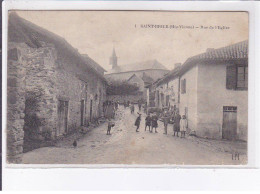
(113, 59)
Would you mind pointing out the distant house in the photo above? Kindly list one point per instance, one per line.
(52, 89)
(211, 90)
(140, 74)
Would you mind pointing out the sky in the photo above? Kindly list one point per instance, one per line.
(96, 33)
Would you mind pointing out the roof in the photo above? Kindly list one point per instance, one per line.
(140, 66)
(23, 31)
(171, 75)
(232, 52)
(132, 77)
(93, 63)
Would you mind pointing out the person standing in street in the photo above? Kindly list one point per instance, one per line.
(148, 120)
(183, 126)
(154, 123)
(139, 105)
(166, 118)
(132, 107)
(110, 124)
(176, 124)
(137, 122)
(116, 105)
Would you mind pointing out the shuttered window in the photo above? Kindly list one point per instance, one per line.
(242, 77)
(237, 77)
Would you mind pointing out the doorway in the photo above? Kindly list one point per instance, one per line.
(63, 107)
(82, 108)
(90, 114)
(229, 128)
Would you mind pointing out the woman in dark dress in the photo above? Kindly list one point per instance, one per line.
(148, 120)
(176, 124)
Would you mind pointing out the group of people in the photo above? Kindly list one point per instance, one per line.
(180, 123)
(132, 106)
(150, 121)
(109, 109)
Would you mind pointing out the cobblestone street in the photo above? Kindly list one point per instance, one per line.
(125, 146)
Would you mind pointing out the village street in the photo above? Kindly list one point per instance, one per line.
(125, 146)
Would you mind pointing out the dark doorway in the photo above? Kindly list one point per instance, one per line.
(82, 108)
(63, 107)
(90, 114)
(229, 128)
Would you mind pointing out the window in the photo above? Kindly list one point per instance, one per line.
(237, 77)
(229, 108)
(242, 77)
(136, 84)
(183, 86)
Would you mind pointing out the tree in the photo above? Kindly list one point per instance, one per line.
(121, 88)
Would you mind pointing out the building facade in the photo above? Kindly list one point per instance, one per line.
(211, 90)
(140, 74)
(52, 89)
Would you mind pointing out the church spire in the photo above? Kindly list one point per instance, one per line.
(113, 59)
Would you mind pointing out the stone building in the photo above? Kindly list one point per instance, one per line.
(211, 90)
(140, 74)
(52, 89)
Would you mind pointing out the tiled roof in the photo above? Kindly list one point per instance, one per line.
(235, 51)
(140, 66)
(232, 52)
(173, 73)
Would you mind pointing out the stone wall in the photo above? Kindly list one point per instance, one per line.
(40, 88)
(76, 85)
(37, 80)
(15, 105)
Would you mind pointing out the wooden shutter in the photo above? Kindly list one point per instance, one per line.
(231, 77)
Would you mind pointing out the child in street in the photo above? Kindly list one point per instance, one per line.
(183, 126)
(148, 120)
(137, 122)
(154, 123)
(166, 118)
(132, 107)
(110, 124)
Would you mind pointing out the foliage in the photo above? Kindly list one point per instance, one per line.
(32, 122)
(121, 88)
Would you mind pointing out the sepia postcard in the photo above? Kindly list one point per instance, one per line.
(127, 87)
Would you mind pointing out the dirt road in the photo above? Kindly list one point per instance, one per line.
(125, 146)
